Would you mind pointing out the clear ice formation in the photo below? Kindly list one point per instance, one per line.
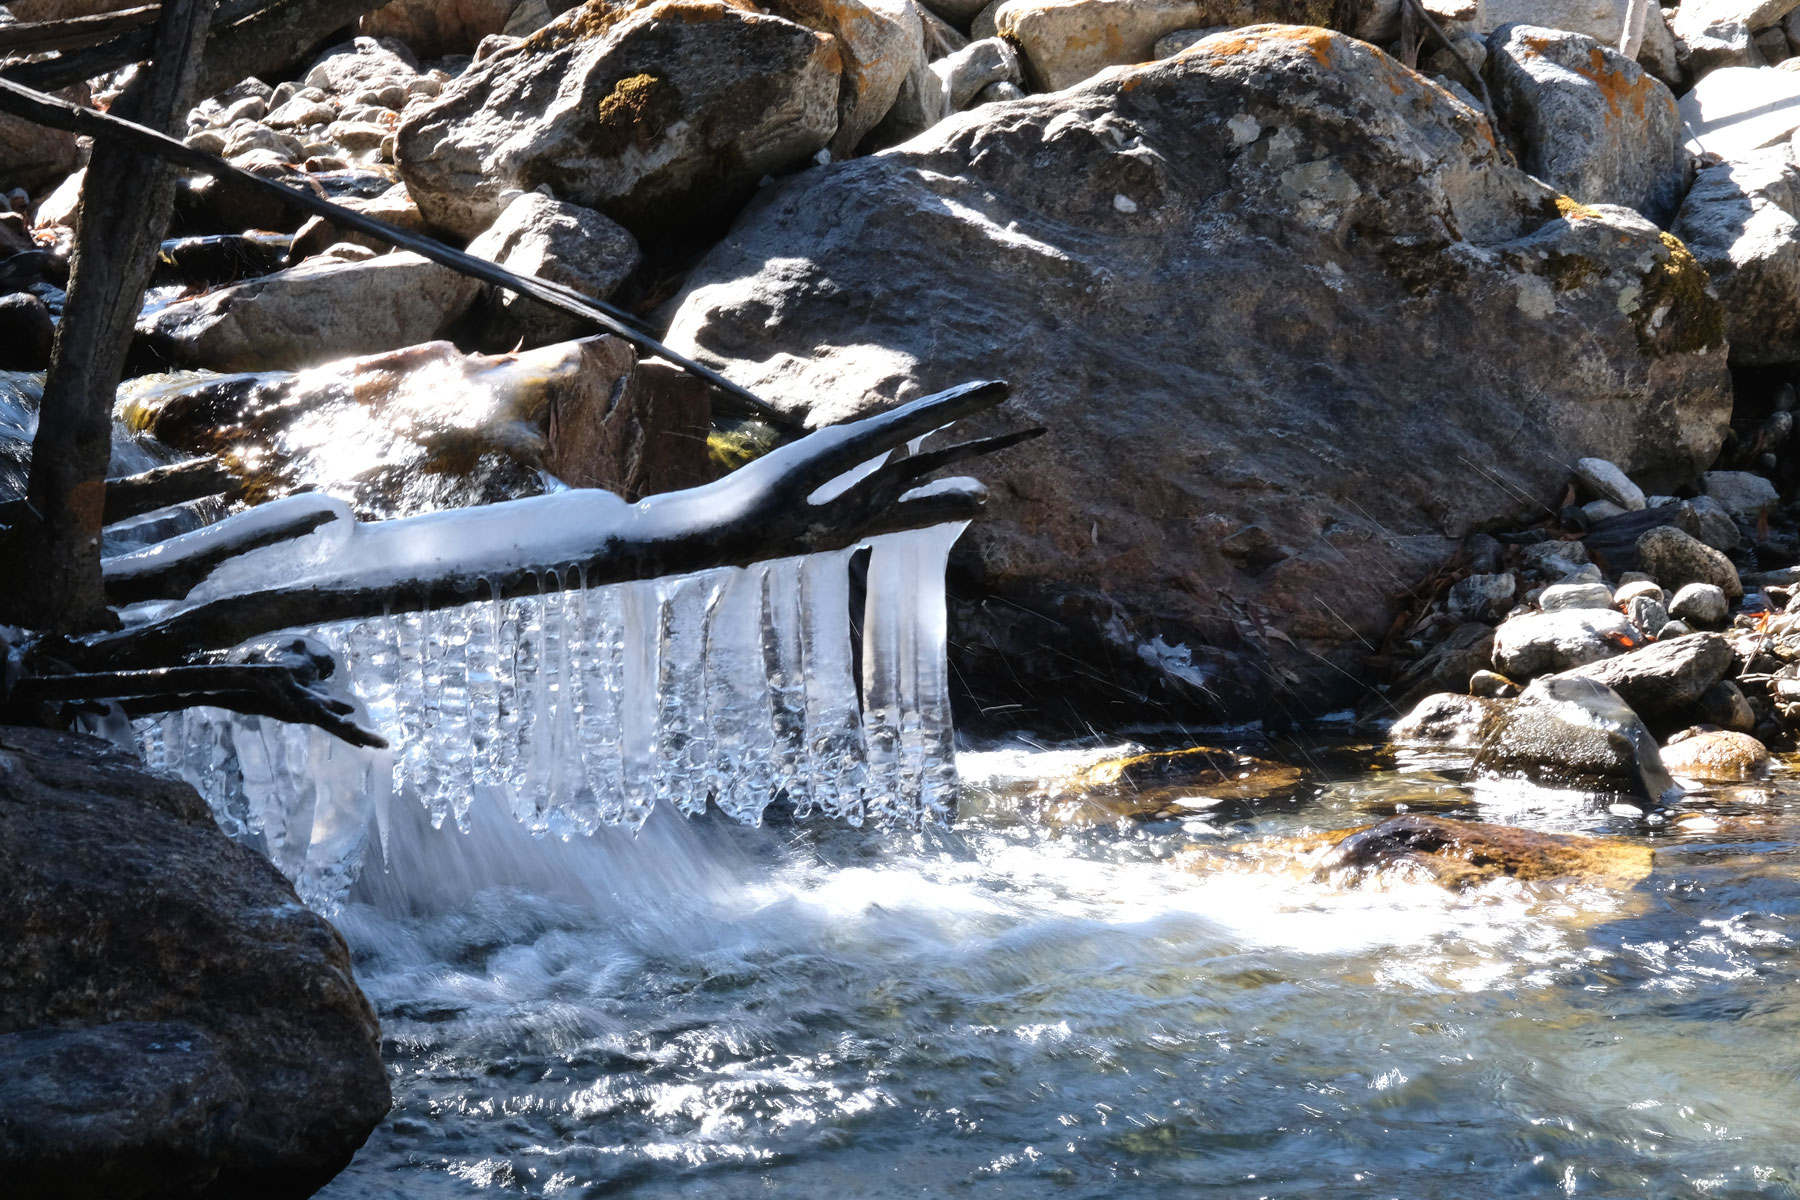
(581, 707)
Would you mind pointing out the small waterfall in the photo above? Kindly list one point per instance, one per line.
(581, 707)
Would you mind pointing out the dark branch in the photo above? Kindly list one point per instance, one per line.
(37, 37)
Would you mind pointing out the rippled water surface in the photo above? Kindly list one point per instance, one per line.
(1158, 1007)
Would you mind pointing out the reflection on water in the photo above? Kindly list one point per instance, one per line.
(1171, 1004)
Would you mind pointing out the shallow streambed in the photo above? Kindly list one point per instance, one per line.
(1010, 1009)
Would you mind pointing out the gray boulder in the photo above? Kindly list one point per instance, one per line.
(173, 1022)
(564, 243)
(1560, 596)
(1666, 678)
(360, 65)
(976, 66)
(1197, 273)
(656, 116)
(432, 28)
(1482, 597)
(1447, 667)
(1532, 644)
(881, 42)
(1708, 520)
(1725, 705)
(1677, 559)
(1741, 219)
(1590, 122)
(1740, 493)
(321, 310)
(1576, 733)
(1605, 480)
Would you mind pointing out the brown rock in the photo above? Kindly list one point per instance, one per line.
(1465, 854)
(1719, 755)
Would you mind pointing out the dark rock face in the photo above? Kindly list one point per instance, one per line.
(1199, 274)
(173, 1022)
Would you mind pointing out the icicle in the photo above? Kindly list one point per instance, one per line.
(833, 723)
(739, 723)
(884, 686)
(484, 696)
(681, 755)
(784, 669)
(600, 721)
(637, 701)
(935, 736)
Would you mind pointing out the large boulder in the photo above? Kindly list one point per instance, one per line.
(1198, 273)
(321, 310)
(1736, 110)
(1666, 678)
(881, 42)
(1576, 733)
(173, 1022)
(656, 115)
(1592, 123)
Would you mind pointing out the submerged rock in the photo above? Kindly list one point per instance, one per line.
(656, 116)
(173, 1022)
(427, 427)
(1465, 854)
(1161, 783)
(1576, 733)
(1199, 272)
(1716, 756)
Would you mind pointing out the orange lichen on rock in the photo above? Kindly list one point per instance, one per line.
(1318, 42)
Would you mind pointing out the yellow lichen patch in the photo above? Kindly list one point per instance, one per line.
(1676, 314)
(1574, 210)
(635, 112)
(1317, 42)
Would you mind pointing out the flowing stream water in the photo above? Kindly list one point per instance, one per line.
(1161, 1006)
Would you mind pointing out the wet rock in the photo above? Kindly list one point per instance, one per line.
(1465, 854)
(1591, 122)
(564, 243)
(1605, 480)
(1702, 605)
(1677, 559)
(1448, 721)
(1735, 111)
(173, 1022)
(1725, 705)
(1492, 685)
(975, 67)
(433, 28)
(1145, 305)
(880, 41)
(1482, 597)
(1560, 596)
(1160, 783)
(1576, 733)
(1527, 646)
(657, 117)
(310, 314)
(1066, 41)
(1740, 493)
(26, 333)
(1716, 756)
(1665, 678)
(441, 429)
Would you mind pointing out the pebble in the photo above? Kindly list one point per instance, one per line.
(1647, 612)
(1674, 629)
(1702, 605)
(298, 112)
(1606, 481)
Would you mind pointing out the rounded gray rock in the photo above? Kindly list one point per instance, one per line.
(1702, 605)
(1677, 559)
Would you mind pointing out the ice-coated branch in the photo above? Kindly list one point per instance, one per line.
(778, 506)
